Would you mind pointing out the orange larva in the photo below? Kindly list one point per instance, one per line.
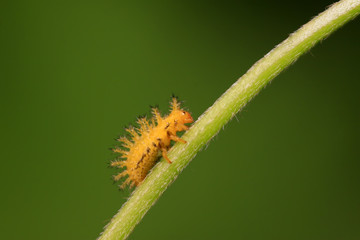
(147, 141)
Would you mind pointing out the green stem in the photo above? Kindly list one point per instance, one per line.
(231, 102)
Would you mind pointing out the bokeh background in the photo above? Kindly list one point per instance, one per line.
(74, 73)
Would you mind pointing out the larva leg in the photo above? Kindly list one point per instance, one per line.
(184, 127)
(164, 154)
(177, 139)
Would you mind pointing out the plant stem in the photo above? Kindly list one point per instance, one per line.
(229, 104)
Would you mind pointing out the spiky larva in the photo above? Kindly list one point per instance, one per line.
(147, 141)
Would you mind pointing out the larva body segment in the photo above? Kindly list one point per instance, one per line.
(148, 141)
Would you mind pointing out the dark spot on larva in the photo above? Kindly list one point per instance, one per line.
(148, 150)
(168, 125)
(159, 139)
(142, 158)
(154, 144)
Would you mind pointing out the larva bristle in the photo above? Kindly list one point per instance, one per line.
(121, 151)
(120, 175)
(157, 115)
(175, 105)
(148, 125)
(127, 182)
(118, 164)
(133, 133)
(152, 123)
(126, 142)
(132, 184)
(144, 125)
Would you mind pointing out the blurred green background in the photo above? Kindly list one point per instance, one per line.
(74, 73)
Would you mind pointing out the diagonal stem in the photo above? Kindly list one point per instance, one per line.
(230, 103)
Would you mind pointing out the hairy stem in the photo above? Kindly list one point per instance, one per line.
(230, 103)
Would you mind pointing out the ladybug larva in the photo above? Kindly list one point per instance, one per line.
(147, 141)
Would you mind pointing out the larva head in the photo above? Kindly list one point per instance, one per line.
(184, 117)
(181, 116)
